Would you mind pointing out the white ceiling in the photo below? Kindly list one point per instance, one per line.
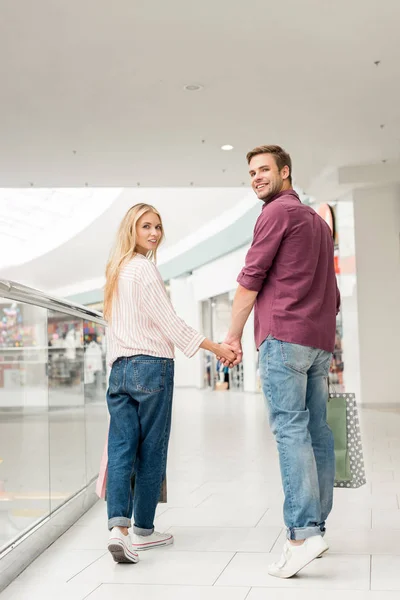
(33, 222)
(92, 90)
(80, 258)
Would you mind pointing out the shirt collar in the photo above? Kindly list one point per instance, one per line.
(290, 193)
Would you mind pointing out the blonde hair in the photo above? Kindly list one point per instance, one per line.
(124, 250)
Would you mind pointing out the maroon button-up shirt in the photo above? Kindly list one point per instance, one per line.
(290, 264)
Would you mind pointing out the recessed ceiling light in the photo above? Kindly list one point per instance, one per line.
(227, 147)
(193, 87)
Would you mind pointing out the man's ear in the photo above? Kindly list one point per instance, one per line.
(285, 172)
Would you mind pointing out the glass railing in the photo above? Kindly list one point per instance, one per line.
(53, 416)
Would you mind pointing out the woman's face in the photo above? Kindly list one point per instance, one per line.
(148, 233)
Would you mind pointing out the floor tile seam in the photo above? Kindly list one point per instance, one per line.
(216, 551)
(272, 551)
(314, 589)
(92, 592)
(329, 553)
(202, 502)
(275, 542)
(182, 585)
(87, 566)
(196, 489)
(224, 569)
(243, 552)
(224, 526)
(261, 518)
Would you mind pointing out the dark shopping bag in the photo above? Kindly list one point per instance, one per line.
(163, 493)
(343, 419)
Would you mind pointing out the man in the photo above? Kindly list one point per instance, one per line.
(289, 276)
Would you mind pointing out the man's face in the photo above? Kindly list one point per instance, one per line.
(266, 179)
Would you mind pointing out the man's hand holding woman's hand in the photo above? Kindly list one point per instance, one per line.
(225, 352)
(226, 355)
(234, 344)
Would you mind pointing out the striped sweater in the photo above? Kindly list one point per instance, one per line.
(143, 320)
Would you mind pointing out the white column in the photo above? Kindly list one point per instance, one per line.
(188, 371)
(377, 237)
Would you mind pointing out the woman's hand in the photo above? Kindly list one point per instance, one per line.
(225, 351)
(222, 351)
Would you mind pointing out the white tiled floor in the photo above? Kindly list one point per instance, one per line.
(225, 510)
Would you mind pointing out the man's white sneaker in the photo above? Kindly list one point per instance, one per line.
(121, 547)
(146, 542)
(295, 558)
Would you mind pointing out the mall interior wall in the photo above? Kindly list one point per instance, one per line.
(347, 281)
(377, 245)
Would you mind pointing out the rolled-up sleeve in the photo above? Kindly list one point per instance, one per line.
(157, 306)
(269, 232)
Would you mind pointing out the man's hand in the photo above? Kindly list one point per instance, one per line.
(236, 344)
(226, 354)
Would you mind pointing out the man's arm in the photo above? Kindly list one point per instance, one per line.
(269, 232)
(242, 306)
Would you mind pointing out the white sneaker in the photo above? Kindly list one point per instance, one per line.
(146, 542)
(295, 558)
(121, 547)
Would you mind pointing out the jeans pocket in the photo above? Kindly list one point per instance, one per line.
(149, 375)
(115, 381)
(327, 363)
(296, 357)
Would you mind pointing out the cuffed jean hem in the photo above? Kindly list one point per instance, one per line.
(302, 533)
(119, 522)
(141, 531)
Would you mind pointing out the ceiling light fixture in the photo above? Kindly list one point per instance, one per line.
(193, 87)
(227, 147)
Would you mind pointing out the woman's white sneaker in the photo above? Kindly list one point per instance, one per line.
(295, 558)
(154, 540)
(121, 548)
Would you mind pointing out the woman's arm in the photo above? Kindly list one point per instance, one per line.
(157, 305)
(220, 350)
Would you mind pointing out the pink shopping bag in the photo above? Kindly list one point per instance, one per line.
(101, 485)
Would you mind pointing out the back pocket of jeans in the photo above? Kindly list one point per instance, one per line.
(149, 375)
(116, 375)
(296, 357)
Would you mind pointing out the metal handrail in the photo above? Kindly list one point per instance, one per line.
(22, 293)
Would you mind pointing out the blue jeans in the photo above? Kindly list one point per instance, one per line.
(139, 401)
(295, 384)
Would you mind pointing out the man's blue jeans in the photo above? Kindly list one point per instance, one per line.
(139, 401)
(295, 384)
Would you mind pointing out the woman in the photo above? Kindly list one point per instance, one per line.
(142, 332)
